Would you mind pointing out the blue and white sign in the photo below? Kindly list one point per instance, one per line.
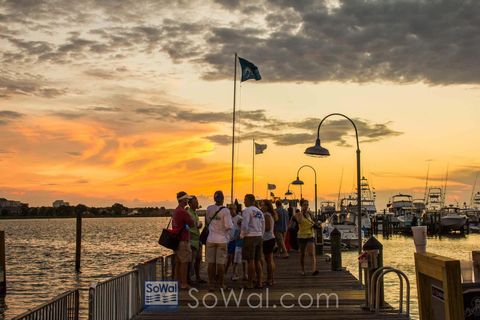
(161, 294)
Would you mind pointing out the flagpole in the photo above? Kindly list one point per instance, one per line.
(253, 168)
(233, 129)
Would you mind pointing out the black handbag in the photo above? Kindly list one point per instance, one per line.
(204, 234)
(170, 239)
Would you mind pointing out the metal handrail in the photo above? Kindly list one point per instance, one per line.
(63, 307)
(115, 298)
(378, 276)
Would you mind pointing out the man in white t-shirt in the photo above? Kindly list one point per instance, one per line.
(220, 224)
(252, 230)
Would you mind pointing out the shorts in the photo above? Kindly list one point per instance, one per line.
(304, 241)
(231, 247)
(268, 246)
(238, 255)
(216, 253)
(252, 248)
(184, 252)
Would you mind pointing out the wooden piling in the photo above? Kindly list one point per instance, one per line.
(476, 265)
(78, 247)
(336, 250)
(3, 272)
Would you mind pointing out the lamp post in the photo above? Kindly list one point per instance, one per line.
(318, 151)
(300, 183)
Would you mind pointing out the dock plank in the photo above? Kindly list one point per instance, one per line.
(280, 301)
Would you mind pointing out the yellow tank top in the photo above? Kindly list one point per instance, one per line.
(305, 229)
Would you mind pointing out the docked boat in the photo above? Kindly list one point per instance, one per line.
(403, 211)
(453, 219)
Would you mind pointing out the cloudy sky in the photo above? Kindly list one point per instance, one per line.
(131, 101)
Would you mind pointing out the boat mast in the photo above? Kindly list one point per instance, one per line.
(426, 185)
(445, 188)
(473, 190)
(340, 189)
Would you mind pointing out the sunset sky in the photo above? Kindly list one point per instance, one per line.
(131, 101)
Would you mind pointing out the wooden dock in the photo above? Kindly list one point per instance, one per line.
(289, 298)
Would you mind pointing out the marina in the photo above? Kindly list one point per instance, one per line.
(49, 269)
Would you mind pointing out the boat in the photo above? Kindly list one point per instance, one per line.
(452, 218)
(403, 211)
(327, 209)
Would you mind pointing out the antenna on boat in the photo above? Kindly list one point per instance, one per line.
(340, 188)
(426, 183)
(445, 186)
(473, 190)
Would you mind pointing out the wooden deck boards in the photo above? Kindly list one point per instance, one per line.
(341, 284)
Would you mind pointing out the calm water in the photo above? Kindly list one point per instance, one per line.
(40, 256)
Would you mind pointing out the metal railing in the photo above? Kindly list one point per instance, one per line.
(151, 270)
(64, 307)
(115, 299)
(374, 292)
(122, 297)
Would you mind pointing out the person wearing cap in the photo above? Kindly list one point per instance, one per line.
(252, 231)
(181, 222)
(219, 223)
(195, 244)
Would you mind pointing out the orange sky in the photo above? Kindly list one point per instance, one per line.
(124, 105)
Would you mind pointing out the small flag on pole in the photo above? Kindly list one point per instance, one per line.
(249, 70)
(271, 186)
(259, 148)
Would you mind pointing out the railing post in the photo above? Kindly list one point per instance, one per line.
(375, 261)
(476, 265)
(3, 272)
(336, 250)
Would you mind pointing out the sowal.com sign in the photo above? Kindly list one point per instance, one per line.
(161, 295)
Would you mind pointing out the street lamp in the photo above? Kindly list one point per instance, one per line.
(318, 151)
(299, 182)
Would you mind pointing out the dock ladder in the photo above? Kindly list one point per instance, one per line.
(374, 291)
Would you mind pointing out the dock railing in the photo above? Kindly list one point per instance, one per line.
(64, 307)
(123, 297)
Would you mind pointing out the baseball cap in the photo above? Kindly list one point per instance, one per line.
(182, 195)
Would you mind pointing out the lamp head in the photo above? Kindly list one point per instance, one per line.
(288, 193)
(317, 150)
(297, 182)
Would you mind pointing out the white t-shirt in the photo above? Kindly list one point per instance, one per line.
(253, 223)
(219, 228)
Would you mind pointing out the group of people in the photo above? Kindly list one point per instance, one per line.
(243, 239)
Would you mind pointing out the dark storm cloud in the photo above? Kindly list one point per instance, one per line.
(359, 41)
(400, 41)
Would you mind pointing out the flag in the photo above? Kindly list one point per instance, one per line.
(249, 70)
(259, 148)
(271, 186)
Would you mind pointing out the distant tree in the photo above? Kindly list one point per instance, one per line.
(118, 208)
(81, 208)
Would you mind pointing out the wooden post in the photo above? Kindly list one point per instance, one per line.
(3, 272)
(476, 265)
(78, 247)
(319, 242)
(438, 279)
(336, 250)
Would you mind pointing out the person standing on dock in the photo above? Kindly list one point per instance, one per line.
(306, 237)
(280, 229)
(195, 244)
(253, 228)
(269, 238)
(181, 222)
(220, 224)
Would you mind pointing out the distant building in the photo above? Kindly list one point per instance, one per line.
(11, 206)
(60, 203)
